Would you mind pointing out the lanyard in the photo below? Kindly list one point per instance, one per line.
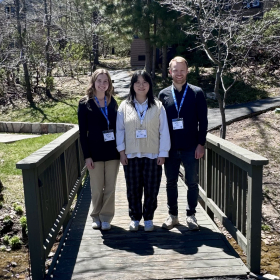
(175, 100)
(143, 113)
(105, 114)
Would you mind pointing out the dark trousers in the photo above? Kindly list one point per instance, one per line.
(171, 167)
(142, 173)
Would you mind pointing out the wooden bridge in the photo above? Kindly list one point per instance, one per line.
(230, 189)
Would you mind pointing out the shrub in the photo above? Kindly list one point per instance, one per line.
(50, 83)
(15, 242)
(6, 239)
(23, 222)
(18, 209)
(7, 219)
(266, 227)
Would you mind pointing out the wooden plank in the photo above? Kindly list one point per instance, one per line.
(151, 274)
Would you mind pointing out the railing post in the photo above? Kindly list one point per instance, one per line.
(208, 176)
(254, 210)
(34, 222)
(65, 188)
(77, 144)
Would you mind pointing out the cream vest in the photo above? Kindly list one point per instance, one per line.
(151, 124)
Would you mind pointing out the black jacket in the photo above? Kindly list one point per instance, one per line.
(194, 113)
(91, 124)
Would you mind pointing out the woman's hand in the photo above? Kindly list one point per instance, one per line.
(160, 160)
(124, 160)
(89, 163)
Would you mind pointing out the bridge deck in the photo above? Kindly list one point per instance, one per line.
(161, 254)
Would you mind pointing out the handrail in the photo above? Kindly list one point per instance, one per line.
(230, 179)
(52, 177)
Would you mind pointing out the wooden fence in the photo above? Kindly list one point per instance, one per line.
(231, 188)
(52, 177)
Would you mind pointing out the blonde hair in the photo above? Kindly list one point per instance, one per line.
(91, 89)
(177, 59)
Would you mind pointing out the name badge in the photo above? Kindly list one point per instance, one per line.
(178, 123)
(108, 135)
(141, 133)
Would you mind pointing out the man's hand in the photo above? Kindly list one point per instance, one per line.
(199, 151)
(124, 160)
(89, 163)
(160, 160)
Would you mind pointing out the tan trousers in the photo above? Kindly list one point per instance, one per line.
(103, 184)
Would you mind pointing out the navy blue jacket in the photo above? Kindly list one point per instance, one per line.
(194, 113)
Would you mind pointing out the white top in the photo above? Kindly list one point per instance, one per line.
(164, 142)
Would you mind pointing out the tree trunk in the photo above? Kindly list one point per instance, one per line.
(220, 101)
(47, 46)
(96, 60)
(164, 62)
(154, 50)
(147, 49)
(22, 54)
(154, 62)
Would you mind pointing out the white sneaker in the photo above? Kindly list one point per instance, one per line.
(133, 226)
(192, 222)
(170, 222)
(96, 224)
(148, 225)
(105, 226)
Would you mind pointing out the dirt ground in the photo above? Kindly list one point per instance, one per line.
(261, 135)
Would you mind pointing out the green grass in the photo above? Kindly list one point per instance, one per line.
(61, 111)
(10, 154)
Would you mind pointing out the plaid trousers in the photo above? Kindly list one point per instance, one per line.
(142, 173)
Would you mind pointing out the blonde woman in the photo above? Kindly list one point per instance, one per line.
(97, 113)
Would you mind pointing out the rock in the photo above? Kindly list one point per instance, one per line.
(13, 264)
(211, 95)
(51, 254)
(266, 242)
(271, 276)
(8, 275)
(265, 249)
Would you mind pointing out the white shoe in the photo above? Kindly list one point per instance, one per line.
(105, 226)
(170, 222)
(96, 224)
(192, 222)
(148, 225)
(133, 226)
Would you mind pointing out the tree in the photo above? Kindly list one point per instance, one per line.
(21, 10)
(226, 32)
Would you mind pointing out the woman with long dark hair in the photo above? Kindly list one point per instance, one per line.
(97, 115)
(143, 142)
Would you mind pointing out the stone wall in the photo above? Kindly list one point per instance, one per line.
(34, 128)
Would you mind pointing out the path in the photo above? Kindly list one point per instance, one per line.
(10, 138)
(161, 254)
(235, 112)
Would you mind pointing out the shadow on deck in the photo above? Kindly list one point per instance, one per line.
(161, 254)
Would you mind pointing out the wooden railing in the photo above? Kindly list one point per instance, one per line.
(51, 178)
(231, 188)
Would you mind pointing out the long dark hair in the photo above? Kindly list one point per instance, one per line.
(132, 93)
